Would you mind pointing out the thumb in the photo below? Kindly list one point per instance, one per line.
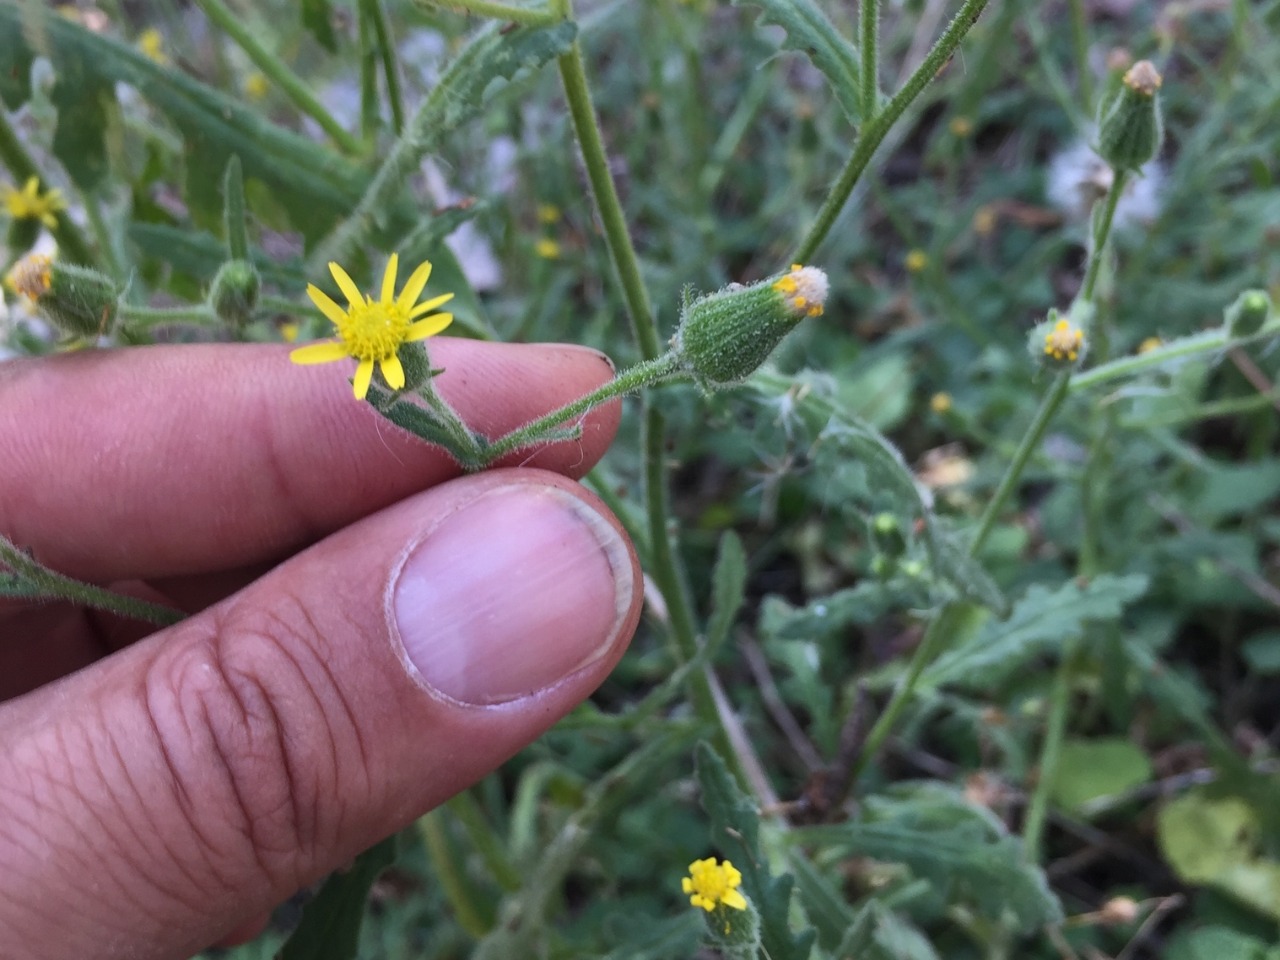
(152, 802)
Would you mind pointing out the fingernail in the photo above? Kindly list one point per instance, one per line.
(510, 594)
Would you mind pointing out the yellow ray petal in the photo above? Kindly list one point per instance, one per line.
(330, 309)
(428, 305)
(347, 285)
(428, 326)
(325, 351)
(389, 279)
(393, 372)
(417, 280)
(364, 373)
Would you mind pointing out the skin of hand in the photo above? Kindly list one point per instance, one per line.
(369, 632)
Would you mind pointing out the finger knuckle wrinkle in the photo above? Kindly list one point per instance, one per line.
(243, 717)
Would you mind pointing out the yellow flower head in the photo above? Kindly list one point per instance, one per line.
(940, 402)
(547, 249)
(915, 261)
(151, 43)
(1064, 341)
(984, 220)
(371, 331)
(1150, 344)
(31, 276)
(256, 86)
(548, 213)
(710, 884)
(30, 203)
(804, 289)
(960, 127)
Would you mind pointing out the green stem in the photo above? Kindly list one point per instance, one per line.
(233, 201)
(1050, 751)
(875, 130)
(481, 834)
(641, 375)
(369, 114)
(869, 31)
(498, 11)
(1207, 342)
(446, 869)
(144, 318)
(110, 243)
(377, 14)
(49, 585)
(274, 69)
(574, 77)
(1101, 233)
(1030, 442)
(73, 246)
(1080, 37)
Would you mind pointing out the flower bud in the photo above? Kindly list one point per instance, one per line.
(76, 300)
(1058, 342)
(1248, 314)
(724, 337)
(1129, 124)
(234, 294)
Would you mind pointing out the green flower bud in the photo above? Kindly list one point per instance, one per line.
(1129, 124)
(234, 294)
(76, 300)
(1058, 343)
(887, 533)
(724, 337)
(1248, 314)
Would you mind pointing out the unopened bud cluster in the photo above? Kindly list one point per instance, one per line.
(1248, 314)
(1059, 342)
(77, 300)
(234, 294)
(724, 337)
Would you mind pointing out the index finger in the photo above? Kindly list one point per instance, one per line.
(173, 460)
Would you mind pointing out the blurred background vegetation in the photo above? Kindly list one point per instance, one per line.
(1140, 557)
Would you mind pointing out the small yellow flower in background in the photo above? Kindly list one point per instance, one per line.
(371, 331)
(1149, 344)
(710, 884)
(804, 288)
(151, 43)
(548, 213)
(960, 126)
(289, 332)
(30, 203)
(1064, 341)
(940, 402)
(915, 261)
(984, 220)
(31, 276)
(256, 85)
(547, 249)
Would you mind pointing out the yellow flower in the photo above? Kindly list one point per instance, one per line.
(984, 220)
(960, 126)
(804, 289)
(31, 276)
(940, 402)
(256, 85)
(289, 331)
(1064, 341)
(1150, 344)
(547, 249)
(151, 43)
(548, 213)
(30, 203)
(371, 331)
(915, 261)
(710, 884)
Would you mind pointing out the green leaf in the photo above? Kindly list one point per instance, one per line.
(813, 34)
(1040, 623)
(1262, 652)
(330, 926)
(1215, 842)
(735, 828)
(963, 851)
(492, 55)
(728, 588)
(1215, 943)
(317, 17)
(1090, 770)
(877, 933)
(313, 184)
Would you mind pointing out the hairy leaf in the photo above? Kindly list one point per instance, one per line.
(813, 34)
(728, 586)
(1040, 623)
(877, 933)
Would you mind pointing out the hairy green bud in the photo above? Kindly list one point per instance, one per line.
(724, 337)
(76, 300)
(234, 294)
(1129, 125)
(1248, 314)
(1059, 342)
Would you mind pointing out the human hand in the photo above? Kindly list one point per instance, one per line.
(370, 633)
